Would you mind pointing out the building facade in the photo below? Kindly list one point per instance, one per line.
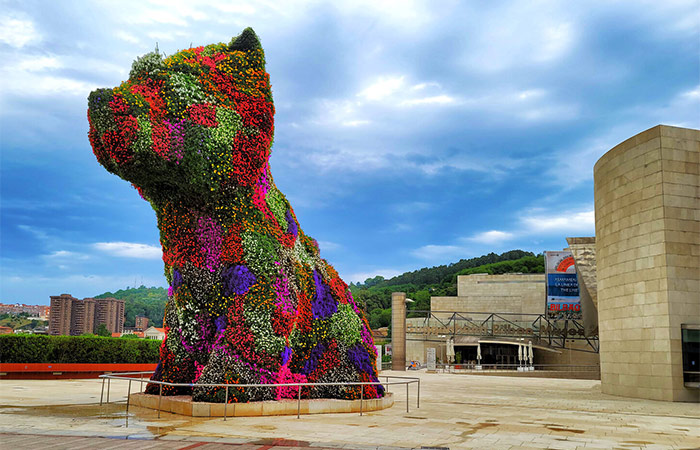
(82, 316)
(647, 218)
(110, 312)
(72, 316)
(60, 315)
(141, 323)
(492, 316)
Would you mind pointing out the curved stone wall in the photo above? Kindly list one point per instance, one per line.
(647, 192)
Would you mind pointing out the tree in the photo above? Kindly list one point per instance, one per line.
(102, 330)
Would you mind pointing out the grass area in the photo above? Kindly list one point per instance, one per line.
(22, 322)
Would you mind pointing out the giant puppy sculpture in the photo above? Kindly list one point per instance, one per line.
(250, 299)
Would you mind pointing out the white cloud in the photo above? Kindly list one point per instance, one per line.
(360, 277)
(129, 250)
(38, 64)
(538, 222)
(382, 88)
(65, 254)
(434, 100)
(440, 253)
(328, 246)
(491, 237)
(127, 37)
(17, 31)
(519, 34)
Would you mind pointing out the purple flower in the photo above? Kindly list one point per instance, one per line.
(177, 279)
(360, 358)
(237, 280)
(286, 354)
(314, 357)
(323, 305)
(291, 224)
(220, 323)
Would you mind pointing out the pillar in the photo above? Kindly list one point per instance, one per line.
(398, 330)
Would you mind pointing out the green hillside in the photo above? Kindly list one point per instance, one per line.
(141, 301)
(420, 285)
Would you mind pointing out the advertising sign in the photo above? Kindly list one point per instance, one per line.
(562, 286)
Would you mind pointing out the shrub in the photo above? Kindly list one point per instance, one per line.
(32, 348)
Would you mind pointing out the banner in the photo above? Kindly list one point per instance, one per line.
(562, 286)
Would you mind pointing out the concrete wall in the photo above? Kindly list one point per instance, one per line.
(512, 293)
(648, 261)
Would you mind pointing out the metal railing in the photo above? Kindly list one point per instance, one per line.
(472, 367)
(129, 376)
(541, 329)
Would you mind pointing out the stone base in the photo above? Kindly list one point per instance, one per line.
(183, 404)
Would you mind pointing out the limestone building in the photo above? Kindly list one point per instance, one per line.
(647, 205)
(493, 315)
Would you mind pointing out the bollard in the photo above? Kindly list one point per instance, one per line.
(108, 385)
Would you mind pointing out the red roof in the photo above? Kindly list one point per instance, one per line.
(116, 334)
(139, 333)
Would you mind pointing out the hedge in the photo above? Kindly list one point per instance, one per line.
(32, 348)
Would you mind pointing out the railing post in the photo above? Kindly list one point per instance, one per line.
(418, 396)
(299, 401)
(225, 403)
(108, 385)
(406, 397)
(103, 391)
(128, 397)
(362, 397)
(160, 396)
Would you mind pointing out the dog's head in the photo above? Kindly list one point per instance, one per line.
(191, 125)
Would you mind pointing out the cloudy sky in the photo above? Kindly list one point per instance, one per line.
(408, 134)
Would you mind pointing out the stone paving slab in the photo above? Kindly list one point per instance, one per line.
(457, 411)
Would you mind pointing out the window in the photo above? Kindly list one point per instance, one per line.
(690, 339)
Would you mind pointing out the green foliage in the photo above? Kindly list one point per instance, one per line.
(102, 330)
(20, 321)
(526, 264)
(33, 348)
(141, 301)
(379, 318)
(130, 336)
(420, 285)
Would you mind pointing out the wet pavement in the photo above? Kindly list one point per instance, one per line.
(457, 411)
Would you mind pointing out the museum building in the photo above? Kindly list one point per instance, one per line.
(638, 279)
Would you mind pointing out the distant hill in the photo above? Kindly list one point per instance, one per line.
(141, 301)
(421, 284)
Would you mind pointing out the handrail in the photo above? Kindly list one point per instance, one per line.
(472, 367)
(125, 376)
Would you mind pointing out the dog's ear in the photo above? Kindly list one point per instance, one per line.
(246, 41)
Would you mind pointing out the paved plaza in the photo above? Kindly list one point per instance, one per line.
(458, 411)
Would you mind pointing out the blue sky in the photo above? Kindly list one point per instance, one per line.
(408, 134)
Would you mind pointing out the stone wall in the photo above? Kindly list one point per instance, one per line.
(508, 293)
(648, 261)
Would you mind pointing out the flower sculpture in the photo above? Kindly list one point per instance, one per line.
(250, 299)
